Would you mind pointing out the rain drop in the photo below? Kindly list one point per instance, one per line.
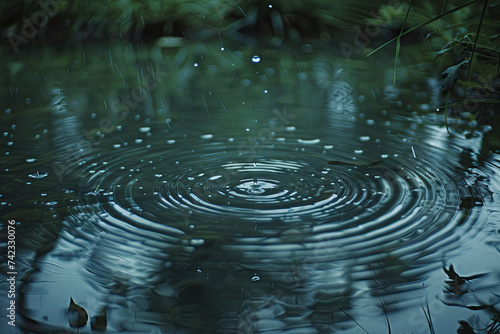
(255, 59)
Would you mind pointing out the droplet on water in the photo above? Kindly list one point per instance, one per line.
(207, 136)
(255, 59)
(309, 141)
(38, 175)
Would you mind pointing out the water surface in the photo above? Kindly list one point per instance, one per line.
(298, 196)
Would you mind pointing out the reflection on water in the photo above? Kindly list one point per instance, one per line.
(228, 218)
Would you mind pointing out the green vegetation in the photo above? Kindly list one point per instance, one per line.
(461, 36)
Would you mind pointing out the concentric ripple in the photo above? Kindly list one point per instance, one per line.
(295, 226)
(287, 190)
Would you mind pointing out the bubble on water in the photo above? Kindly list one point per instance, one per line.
(370, 121)
(195, 64)
(30, 160)
(144, 129)
(328, 147)
(9, 143)
(138, 141)
(255, 59)
(171, 141)
(230, 140)
(358, 151)
(117, 146)
(265, 91)
(290, 128)
(364, 138)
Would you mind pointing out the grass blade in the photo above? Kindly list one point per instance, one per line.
(442, 8)
(446, 113)
(463, 102)
(428, 316)
(422, 24)
(398, 44)
(364, 330)
(386, 317)
(485, 4)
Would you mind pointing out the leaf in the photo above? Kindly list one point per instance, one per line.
(450, 76)
(99, 322)
(77, 315)
(465, 328)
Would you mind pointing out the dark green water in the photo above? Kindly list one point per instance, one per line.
(195, 195)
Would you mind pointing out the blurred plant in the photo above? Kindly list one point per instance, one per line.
(471, 60)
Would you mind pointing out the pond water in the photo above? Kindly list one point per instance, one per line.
(247, 192)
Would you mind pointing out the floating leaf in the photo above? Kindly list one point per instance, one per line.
(77, 315)
(465, 328)
(99, 321)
